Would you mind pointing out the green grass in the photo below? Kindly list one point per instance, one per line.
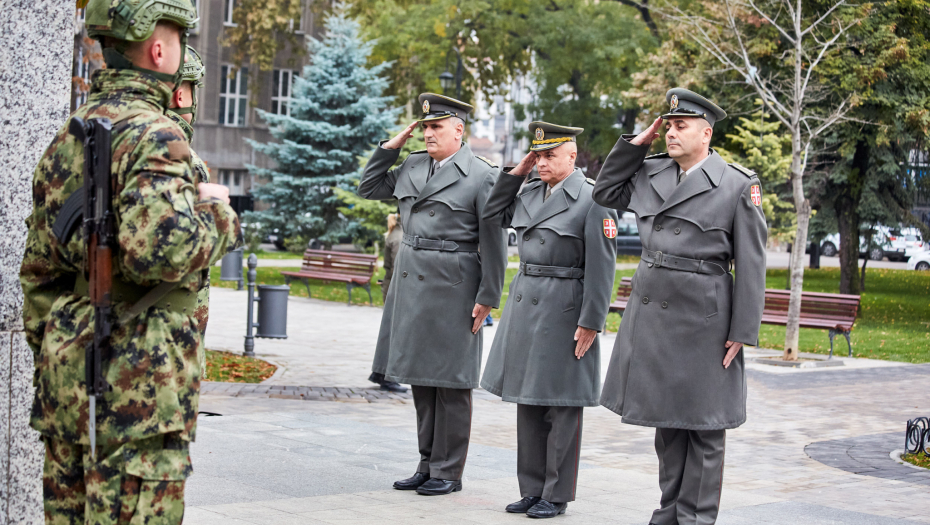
(262, 254)
(893, 321)
(917, 459)
(234, 368)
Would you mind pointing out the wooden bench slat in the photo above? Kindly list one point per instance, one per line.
(354, 269)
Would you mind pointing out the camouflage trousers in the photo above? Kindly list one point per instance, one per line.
(135, 483)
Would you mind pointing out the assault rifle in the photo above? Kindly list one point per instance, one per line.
(99, 239)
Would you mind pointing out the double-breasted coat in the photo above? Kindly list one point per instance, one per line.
(532, 359)
(667, 365)
(425, 336)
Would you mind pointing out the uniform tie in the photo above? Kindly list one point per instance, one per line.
(432, 169)
(548, 193)
(681, 175)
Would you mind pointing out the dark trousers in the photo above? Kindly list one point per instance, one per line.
(690, 475)
(443, 429)
(548, 447)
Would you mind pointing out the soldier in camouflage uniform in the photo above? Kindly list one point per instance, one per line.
(183, 111)
(167, 229)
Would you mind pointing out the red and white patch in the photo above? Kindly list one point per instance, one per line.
(755, 193)
(610, 228)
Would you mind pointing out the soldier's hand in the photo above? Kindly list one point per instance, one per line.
(401, 138)
(526, 165)
(216, 191)
(585, 338)
(479, 313)
(733, 348)
(646, 137)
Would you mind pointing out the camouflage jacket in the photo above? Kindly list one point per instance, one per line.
(164, 233)
(202, 312)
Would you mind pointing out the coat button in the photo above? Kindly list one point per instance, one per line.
(420, 277)
(526, 237)
(416, 210)
(542, 241)
(645, 300)
(404, 274)
(658, 227)
(664, 304)
(677, 231)
(432, 212)
(535, 301)
(519, 297)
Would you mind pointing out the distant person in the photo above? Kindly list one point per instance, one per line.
(431, 334)
(546, 356)
(392, 241)
(677, 364)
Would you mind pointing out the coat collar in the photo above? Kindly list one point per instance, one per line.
(557, 203)
(445, 176)
(704, 179)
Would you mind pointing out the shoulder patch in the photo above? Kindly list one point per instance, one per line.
(744, 170)
(589, 181)
(486, 161)
(658, 156)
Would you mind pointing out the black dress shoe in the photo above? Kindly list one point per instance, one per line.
(438, 487)
(392, 386)
(544, 509)
(413, 482)
(376, 378)
(523, 505)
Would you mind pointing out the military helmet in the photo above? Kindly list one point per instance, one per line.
(135, 20)
(193, 70)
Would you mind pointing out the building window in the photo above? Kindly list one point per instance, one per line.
(234, 96)
(228, 15)
(235, 180)
(282, 88)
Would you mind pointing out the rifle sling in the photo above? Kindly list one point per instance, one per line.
(164, 295)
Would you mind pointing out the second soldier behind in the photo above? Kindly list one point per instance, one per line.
(546, 356)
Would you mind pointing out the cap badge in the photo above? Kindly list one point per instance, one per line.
(674, 102)
(426, 106)
(540, 134)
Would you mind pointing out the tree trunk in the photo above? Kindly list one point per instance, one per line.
(846, 206)
(796, 264)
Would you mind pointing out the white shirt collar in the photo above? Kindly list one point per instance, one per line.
(441, 163)
(695, 167)
(558, 185)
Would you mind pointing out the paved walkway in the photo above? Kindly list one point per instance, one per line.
(271, 458)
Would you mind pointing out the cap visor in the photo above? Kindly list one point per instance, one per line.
(427, 119)
(543, 147)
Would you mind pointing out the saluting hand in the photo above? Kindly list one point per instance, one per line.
(401, 138)
(526, 165)
(585, 338)
(479, 313)
(646, 137)
(733, 348)
(208, 190)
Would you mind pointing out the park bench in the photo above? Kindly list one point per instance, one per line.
(827, 311)
(354, 269)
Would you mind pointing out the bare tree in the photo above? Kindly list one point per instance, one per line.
(787, 83)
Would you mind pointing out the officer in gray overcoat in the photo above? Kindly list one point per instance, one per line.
(442, 288)
(545, 356)
(676, 364)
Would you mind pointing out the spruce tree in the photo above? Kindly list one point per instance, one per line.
(338, 111)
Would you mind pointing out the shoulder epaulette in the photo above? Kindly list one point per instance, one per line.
(486, 161)
(744, 170)
(589, 181)
(658, 156)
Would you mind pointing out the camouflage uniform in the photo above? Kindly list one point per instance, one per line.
(164, 233)
(193, 72)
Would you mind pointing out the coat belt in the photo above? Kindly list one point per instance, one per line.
(419, 243)
(683, 264)
(561, 272)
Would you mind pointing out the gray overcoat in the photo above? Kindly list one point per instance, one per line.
(425, 336)
(532, 359)
(667, 365)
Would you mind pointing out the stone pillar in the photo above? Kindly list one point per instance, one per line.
(36, 39)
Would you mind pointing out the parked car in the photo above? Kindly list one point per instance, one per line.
(919, 261)
(909, 240)
(628, 241)
(882, 246)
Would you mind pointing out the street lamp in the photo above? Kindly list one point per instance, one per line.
(446, 80)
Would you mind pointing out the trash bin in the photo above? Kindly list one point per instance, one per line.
(272, 311)
(231, 267)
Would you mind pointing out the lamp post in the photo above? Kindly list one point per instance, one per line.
(447, 79)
